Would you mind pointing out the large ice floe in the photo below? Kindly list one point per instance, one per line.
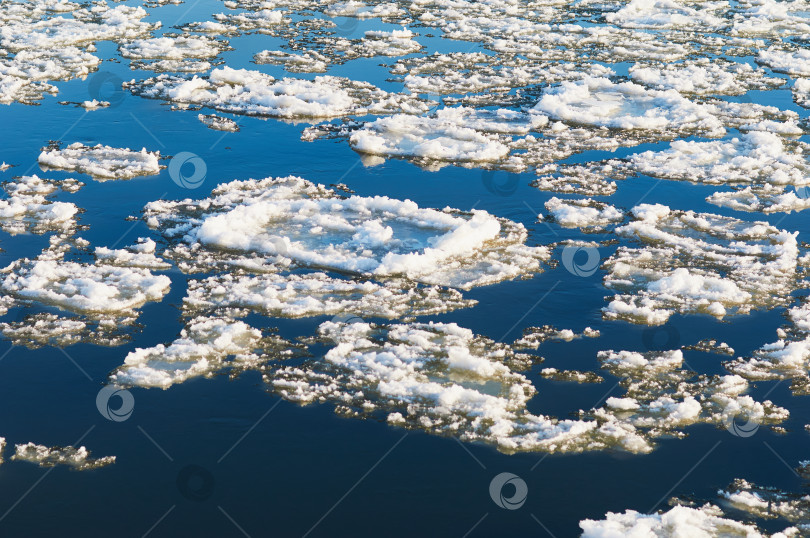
(101, 162)
(278, 221)
(698, 262)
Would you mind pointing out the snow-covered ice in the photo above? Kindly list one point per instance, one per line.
(101, 162)
(295, 220)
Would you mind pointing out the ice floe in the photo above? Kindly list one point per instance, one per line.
(76, 458)
(29, 207)
(583, 213)
(207, 346)
(705, 521)
(625, 105)
(742, 502)
(218, 123)
(242, 91)
(786, 358)
(533, 337)
(101, 162)
(430, 139)
(294, 220)
(315, 294)
(705, 77)
(45, 329)
(698, 262)
(46, 46)
(444, 379)
(437, 377)
(141, 254)
(82, 288)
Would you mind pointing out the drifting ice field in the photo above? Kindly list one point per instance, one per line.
(565, 240)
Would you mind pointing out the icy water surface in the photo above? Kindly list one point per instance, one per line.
(373, 256)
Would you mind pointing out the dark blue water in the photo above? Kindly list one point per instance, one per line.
(272, 468)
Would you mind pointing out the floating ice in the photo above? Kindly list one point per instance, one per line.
(101, 162)
(430, 139)
(576, 179)
(709, 345)
(574, 376)
(94, 104)
(625, 105)
(585, 213)
(782, 61)
(139, 255)
(316, 294)
(705, 521)
(82, 288)
(205, 347)
(382, 43)
(533, 337)
(46, 46)
(698, 262)
(44, 329)
(76, 458)
(787, 358)
(308, 62)
(763, 199)
(742, 503)
(446, 380)
(752, 157)
(663, 14)
(218, 123)
(705, 77)
(437, 377)
(242, 91)
(769, 503)
(662, 398)
(28, 207)
(172, 48)
(291, 218)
